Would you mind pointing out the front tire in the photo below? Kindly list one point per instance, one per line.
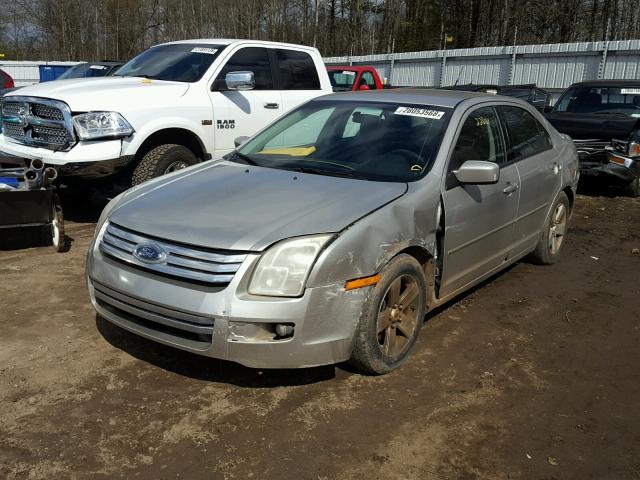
(548, 249)
(161, 160)
(391, 317)
(632, 189)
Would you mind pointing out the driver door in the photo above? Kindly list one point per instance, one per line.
(243, 113)
(479, 219)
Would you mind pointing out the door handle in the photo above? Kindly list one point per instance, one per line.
(271, 105)
(510, 188)
(556, 168)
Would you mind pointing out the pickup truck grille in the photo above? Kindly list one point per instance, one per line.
(592, 151)
(39, 122)
(191, 264)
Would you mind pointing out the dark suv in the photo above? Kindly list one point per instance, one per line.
(603, 119)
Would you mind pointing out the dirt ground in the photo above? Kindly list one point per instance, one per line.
(533, 375)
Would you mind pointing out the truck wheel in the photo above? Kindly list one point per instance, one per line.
(161, 160)
(633, 188)
(391, 317)
(548, 249)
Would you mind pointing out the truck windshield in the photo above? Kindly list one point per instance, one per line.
(601, 100)
(178, 62)
(342, 80)
(363, 140)
(85, 70)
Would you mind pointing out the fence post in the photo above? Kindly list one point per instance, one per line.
(443, 65)
(392, 58)
(512, 67)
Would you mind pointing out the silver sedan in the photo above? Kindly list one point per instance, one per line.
(329, 235)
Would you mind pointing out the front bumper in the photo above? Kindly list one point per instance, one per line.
(625, 172)
(86, 159)
(227, 322)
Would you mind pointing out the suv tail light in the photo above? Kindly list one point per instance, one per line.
(7, 81)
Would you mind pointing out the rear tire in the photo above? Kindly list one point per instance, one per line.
(391, 317)
(161, 160)
(548, 249)
(632, 189)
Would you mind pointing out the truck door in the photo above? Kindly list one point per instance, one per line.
(479, 219)
(243, 113)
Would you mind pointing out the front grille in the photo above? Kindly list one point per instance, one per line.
(13, 130)
(592, 151)
(11, 108)
(45, 111)
(191, 264)
(56, 136)
(40, 122)
(155, 318)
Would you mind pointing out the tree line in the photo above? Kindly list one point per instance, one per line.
(119, 29)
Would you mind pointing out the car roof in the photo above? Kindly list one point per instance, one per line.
(607, 83)
(424, 96)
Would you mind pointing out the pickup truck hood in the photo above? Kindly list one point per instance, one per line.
(226, 205)
(108, 94)
(589, 126)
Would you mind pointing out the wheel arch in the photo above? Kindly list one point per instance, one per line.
(175, 135)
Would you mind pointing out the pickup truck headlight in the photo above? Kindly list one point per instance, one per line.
(99, 125)
(634, 149)
(283, 269)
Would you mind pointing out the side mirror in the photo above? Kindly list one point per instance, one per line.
(240, 81)
(478, 172)
(240, 140)
(364, 87)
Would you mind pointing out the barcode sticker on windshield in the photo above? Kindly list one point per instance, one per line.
(419, 112)
(210, 51)
(97, 67)
(630, 91)
(347, 72)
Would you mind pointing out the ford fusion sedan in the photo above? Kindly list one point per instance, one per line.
(328, 235)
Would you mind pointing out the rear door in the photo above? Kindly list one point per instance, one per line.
(529, 147)
(296, 76)
(243, 113)
(479, 219)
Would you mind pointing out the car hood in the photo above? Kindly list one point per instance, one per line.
(589, 126)
(226, 205)
(108, 94)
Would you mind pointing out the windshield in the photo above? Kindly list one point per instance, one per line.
(601, 100)
(342, 80)
(179, 62)
(85, 70)
(362, 140)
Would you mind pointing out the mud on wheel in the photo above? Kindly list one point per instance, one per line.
(391, 318)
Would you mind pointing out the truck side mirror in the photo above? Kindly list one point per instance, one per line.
(240, 81)
(364, 87)
(240, 140)
(478, 172)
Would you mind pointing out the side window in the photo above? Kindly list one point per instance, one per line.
(297, 70)
(252, 59)
(527, 137)
(367, 79)
(479, 139)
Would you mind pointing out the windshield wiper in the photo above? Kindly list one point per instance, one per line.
(244, 158)
(320, 171)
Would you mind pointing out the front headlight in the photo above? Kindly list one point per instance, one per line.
(283, 269)
(98, 125)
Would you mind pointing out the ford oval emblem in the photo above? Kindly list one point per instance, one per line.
(149, 253)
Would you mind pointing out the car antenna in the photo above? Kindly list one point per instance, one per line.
(459, 74)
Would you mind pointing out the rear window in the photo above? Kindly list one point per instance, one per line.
(297, 70)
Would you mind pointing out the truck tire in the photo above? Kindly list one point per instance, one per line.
(161, 160)
(550, 244)
(632, 189)
(391, 317)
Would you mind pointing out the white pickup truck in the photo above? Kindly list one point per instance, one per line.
(172, 106)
